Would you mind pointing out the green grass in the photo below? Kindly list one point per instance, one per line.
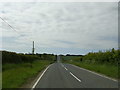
(15, 75)
(0, 80)
(106, 69)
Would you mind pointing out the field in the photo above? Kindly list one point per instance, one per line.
(106, 69)
(106, 63)
(0, 80)
(15, 75)
(17, 68)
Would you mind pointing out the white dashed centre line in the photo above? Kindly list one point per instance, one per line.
(71, 73)
(65, 68)
(75, 77)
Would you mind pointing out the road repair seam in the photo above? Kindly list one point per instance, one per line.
(40, 77)
(94, 73)
(75, 77)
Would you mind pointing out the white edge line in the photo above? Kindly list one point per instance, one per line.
(40, 77)
(75, 77)
(95, 73)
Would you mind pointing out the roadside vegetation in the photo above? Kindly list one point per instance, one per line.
(18, 68)
(106, 63)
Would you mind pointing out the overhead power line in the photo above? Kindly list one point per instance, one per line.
(14, 28)
(18, 33)
(8, 24)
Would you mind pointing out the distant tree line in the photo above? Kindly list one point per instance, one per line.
(109, 56)
(73, 55)
(12, 57)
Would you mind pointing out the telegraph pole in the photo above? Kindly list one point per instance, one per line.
(33, 49)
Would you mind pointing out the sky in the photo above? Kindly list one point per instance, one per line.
(59, 27)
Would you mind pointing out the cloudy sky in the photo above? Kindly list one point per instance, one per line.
(59, 28)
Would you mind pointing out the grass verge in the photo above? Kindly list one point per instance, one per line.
(106, 69)
(15, 75)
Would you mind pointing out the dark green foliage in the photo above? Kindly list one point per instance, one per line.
(12, 57)
(47, 56)
(111, 57)
(29, 58)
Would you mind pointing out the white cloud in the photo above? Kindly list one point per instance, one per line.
(51, 24)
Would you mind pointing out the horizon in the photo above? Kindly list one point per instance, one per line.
(59, 54)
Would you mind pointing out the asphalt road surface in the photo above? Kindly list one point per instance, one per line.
(60, 75)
